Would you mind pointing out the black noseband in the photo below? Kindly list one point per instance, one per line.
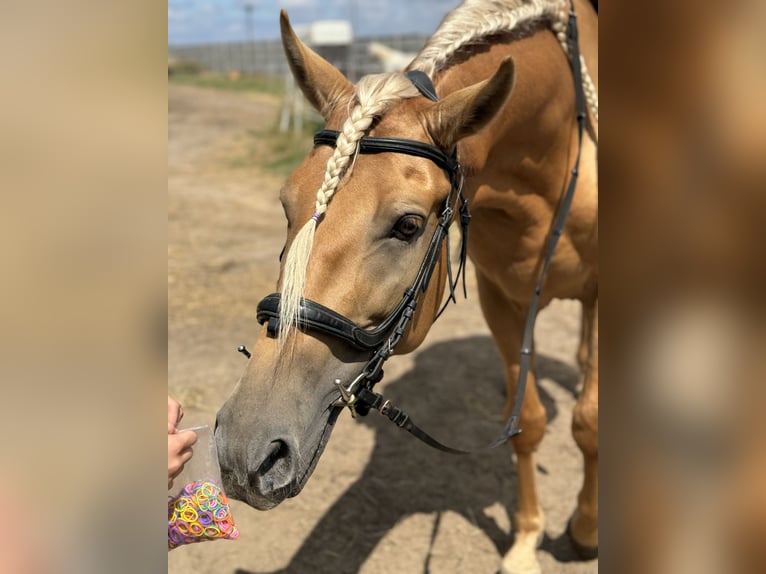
(316, 317)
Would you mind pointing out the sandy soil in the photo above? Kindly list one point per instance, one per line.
(379, 501)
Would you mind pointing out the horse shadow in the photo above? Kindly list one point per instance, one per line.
(456, 390)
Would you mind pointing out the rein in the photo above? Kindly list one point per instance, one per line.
(359, 396)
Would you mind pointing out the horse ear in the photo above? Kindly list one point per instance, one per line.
(465, 112)
(321, 83)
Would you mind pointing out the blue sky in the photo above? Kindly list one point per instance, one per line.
(202, 21)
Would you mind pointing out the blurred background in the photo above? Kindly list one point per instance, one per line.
(234, 44)
(242, 36)
(90, 238)
(237, 127)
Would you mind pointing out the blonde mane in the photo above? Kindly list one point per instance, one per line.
(376, 94)
(474, 20)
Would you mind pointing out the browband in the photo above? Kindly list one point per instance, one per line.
(369, 144)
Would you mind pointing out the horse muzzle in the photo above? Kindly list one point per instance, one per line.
(264, 467)
(268, 477)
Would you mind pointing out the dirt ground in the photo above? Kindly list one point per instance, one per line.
(379, 501)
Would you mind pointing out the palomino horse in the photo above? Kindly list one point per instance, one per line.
(507, 104)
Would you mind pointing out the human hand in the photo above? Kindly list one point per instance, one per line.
(179, 452)
(175, 414)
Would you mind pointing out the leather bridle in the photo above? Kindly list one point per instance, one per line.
(382, 340)
(317, 317)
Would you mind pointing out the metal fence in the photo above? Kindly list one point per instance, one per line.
(268, 57)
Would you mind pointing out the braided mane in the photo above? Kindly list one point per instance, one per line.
(474, 20)
(468, 24)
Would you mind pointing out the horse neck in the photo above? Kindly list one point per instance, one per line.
(531, 139)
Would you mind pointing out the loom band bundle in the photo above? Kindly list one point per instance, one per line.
(200, 513)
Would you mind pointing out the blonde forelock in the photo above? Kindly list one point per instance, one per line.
(375, 94)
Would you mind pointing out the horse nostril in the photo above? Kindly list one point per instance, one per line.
(273, 467)
(277, 451)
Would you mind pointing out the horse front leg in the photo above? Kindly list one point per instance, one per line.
(506, 321)
(583, 527)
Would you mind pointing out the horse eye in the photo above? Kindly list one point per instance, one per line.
(407, 227)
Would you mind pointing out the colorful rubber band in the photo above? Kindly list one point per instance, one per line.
(200, 512)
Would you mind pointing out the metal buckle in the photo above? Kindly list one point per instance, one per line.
(347, 394)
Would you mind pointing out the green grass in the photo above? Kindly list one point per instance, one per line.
(276, 152)
(260, 84)
(288, 149)
(287, 152)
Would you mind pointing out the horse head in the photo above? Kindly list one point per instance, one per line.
(358, 228)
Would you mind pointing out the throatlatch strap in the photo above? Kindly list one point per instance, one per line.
(557, 229)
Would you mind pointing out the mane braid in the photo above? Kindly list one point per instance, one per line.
(375, 94)
(475, 20)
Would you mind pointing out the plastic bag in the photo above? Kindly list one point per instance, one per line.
(199, 511)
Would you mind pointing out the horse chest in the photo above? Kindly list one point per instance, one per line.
(507, 248)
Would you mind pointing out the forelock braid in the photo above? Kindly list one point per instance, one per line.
(374, 96)
(356, 125)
